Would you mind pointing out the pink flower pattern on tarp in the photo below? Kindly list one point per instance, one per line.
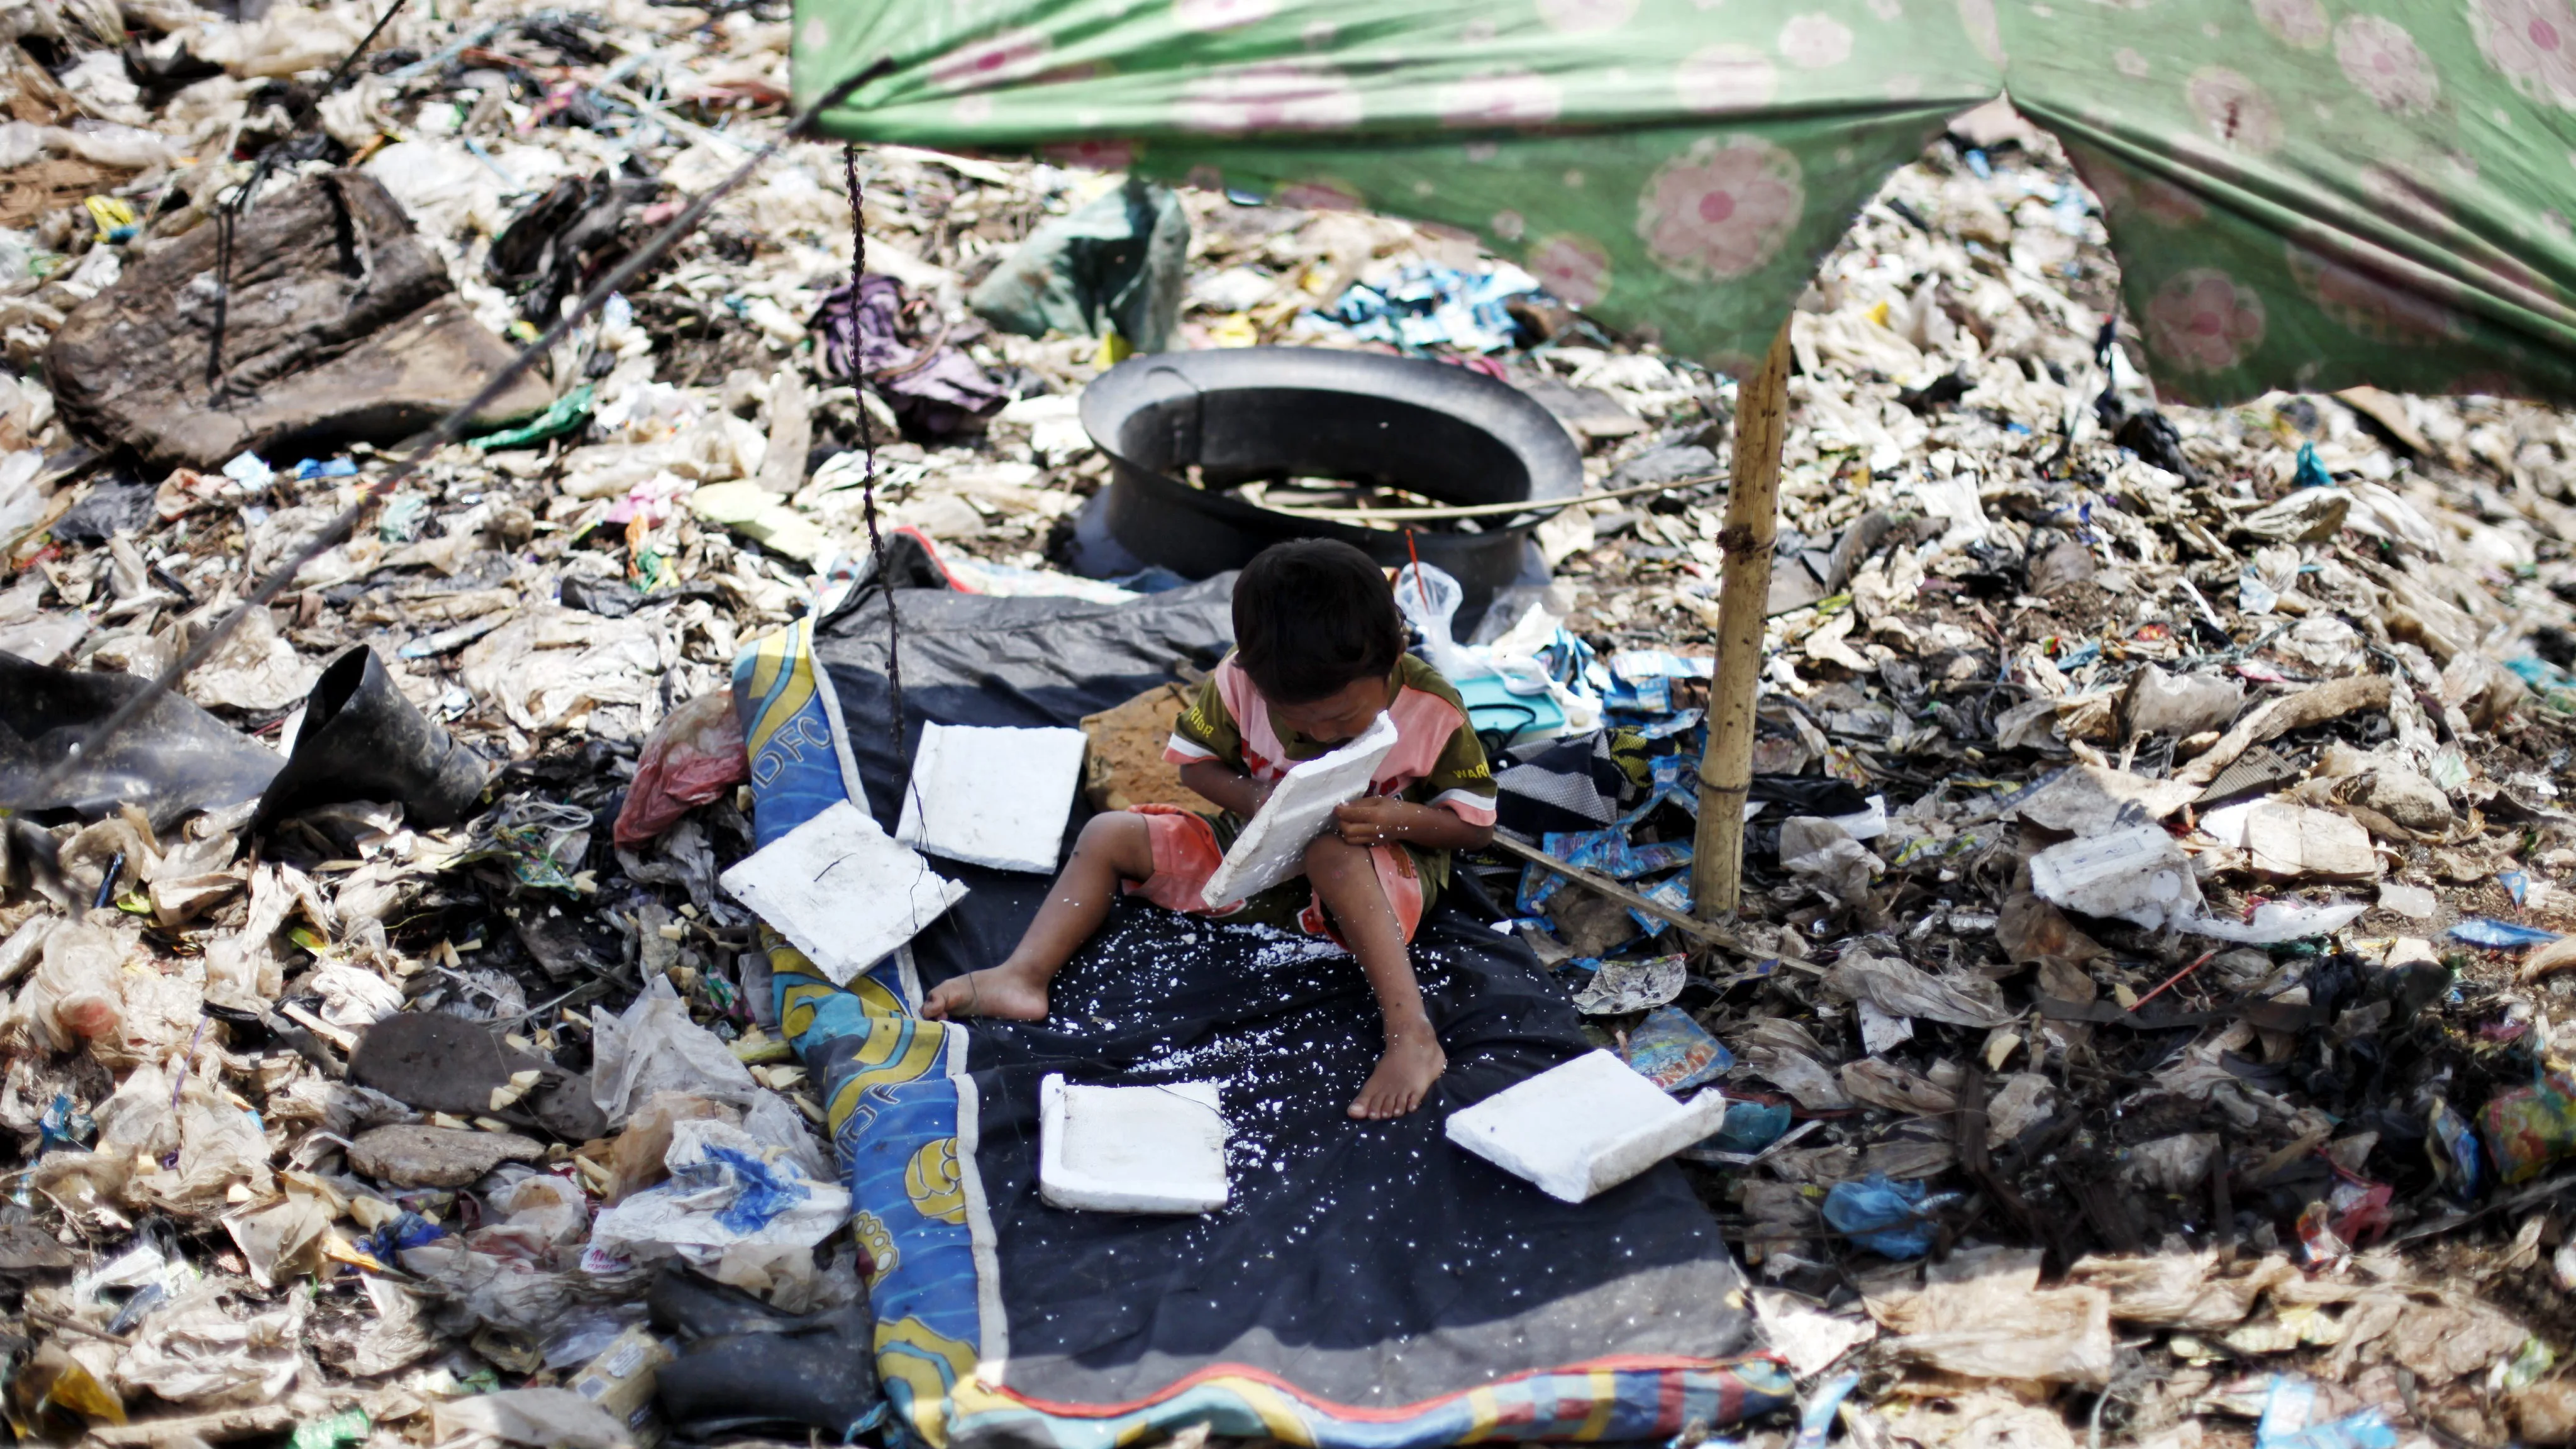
(1271, 96)
(2202, 321)
(1813, 42)
(1585, 17)
(1209, 15)
(1512, 96)
(2533, 43)
(1726, 78)
(1013, 55)
(2369, 304)
(1575, 270)
(2293, 22)
(2235, 110)
(1722, 208)
(2383, 60)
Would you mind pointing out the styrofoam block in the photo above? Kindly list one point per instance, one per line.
(994, 797)
(1584, 1127)
(842, 890)
(1273, 844)
(1156, 1149)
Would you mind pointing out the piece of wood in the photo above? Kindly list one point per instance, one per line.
(1593, 880)
(1125, 766)
(2389, 411)
(1752, 520)
(225, 1424)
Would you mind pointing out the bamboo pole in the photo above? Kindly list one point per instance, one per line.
(1752, 519)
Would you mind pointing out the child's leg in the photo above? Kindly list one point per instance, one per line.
(1346, 879)
(1114, 848)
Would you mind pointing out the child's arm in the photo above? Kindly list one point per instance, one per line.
(1385, 820)
(1227, 787)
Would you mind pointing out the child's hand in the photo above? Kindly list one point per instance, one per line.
(1372, 820)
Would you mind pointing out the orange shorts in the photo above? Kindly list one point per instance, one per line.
(1187, 853)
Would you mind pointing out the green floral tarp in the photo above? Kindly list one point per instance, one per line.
(2302, 193)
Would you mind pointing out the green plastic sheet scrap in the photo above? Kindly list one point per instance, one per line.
(1117, 265)
(562, 416)
(2301, 193)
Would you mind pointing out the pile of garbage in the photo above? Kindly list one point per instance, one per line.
(2139, 1021)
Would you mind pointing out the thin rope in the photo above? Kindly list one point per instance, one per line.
(868, 442)
(232, 207)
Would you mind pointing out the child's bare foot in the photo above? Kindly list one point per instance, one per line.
(1413, 1061)
(1004, 991)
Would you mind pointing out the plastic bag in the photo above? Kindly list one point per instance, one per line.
(653, 1048)
(695, 755)
(727, 1190)
(1429, 599)
(1884, 1217)
(79, 992)
(2500, 935)
(776, 1122)
(220, 1146)
(635, 1158)
(1750, 1127)
(199, 1352)
(2529, 1128)
(1116, 265)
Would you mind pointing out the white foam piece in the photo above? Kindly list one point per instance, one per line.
(842, 890)
(990, 796)
(1585, 1127)
(1155, 1149)
(1273, 844)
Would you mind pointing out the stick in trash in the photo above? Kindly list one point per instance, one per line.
(1682, 921)
(449, 429)
(1429, 514)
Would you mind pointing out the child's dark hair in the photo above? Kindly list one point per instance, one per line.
(1310, 617)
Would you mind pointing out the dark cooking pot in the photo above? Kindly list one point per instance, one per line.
(1242, 414)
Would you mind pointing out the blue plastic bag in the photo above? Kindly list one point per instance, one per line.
(1884, 1217)
(1749, 1127)
(2290, 1404)
(2500, 935)
(2453, 1146)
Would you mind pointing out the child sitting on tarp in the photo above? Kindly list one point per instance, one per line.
(1319, 654)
